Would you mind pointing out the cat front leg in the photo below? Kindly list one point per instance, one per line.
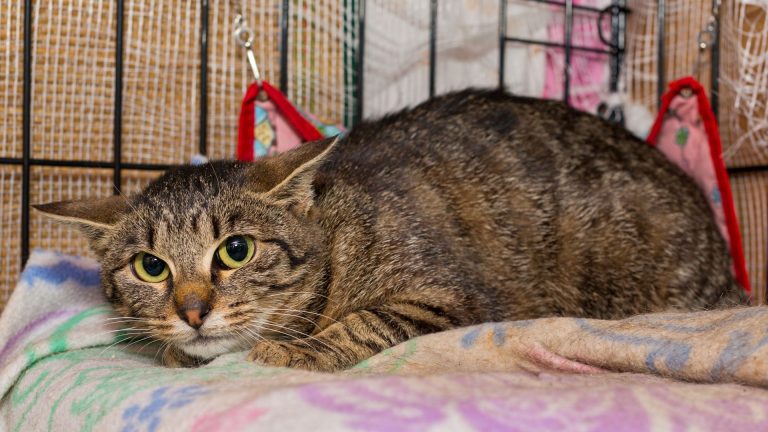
(356, 337)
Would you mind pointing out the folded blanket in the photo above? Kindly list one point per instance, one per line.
(64, 365)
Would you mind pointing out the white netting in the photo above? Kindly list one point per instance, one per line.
(73, 93)
(467, 51)
(73, 79)
(744, 82)
(684, 19)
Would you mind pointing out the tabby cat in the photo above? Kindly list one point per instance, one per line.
(471, 207)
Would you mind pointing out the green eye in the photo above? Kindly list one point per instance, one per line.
(150, 268)
(235, 252)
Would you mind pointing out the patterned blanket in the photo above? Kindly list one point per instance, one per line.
(63, 366)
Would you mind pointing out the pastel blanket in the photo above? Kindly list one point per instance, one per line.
(63, 367)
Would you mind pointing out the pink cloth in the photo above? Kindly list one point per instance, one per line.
(272, 133)
(588, 70)
(684, 141)
(686, 131)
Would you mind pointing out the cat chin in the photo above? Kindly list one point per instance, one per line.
(208, 349)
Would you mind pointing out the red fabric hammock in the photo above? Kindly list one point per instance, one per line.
(304, 130)
(686, 131)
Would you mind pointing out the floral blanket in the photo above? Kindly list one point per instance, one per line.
(63, 367)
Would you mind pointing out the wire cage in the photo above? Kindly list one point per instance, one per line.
(101, 97)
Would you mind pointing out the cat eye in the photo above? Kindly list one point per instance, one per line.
(235, 252)
(150, 268)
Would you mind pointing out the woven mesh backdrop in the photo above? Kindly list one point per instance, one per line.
(743, 93)
(73, 84)
(397, 70)
(73, 91)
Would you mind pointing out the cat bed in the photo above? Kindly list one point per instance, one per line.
(61, 368)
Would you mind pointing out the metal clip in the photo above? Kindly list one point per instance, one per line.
(244, 37)
(254, 66)
(705, 40)
(243, 34)
(708, 36)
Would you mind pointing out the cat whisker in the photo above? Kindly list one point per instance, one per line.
(110, 346)
(162, 350)
(124, 319)
(125, 335)
(125, 326)
(118, 334)
(244, 336)
(138, 340)
(132, 321)
(275, 328)
(272, 312)
(125, 198)
(304, 335)
(259, 337)
(163, 345)
(121, 340)
(216, 175)
(239, 335)
(301, 292)
(302, 317)
(307, 312)
(256, 335)
(115, 330)
(146, 344)
(121, 324)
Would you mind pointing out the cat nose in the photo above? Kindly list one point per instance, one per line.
(194, 312)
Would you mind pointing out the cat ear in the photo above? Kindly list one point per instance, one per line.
(93, 217)
(296, 190)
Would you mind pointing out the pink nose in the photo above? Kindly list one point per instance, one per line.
(193, 317)
(194, 313)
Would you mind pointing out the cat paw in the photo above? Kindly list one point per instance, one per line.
(174, 358)
(292, 355)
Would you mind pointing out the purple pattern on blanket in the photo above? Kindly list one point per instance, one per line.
(709, 413)
(496, 376)
(389, 404)
(603, 409)
(30, 327)
(502, 403)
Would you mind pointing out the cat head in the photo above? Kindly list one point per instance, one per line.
(211, 258)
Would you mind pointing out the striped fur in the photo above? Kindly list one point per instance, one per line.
(473, 207)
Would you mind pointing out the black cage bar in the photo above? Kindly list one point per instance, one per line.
(614, 49)
(26, 131)
(117, 140)
(614, 45)
(117, 164)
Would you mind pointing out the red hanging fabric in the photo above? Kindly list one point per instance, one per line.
(245, 136)
(677, 133)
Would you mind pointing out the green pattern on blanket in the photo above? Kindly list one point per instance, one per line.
(110, 385)
(65, 366)
(58, 340)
